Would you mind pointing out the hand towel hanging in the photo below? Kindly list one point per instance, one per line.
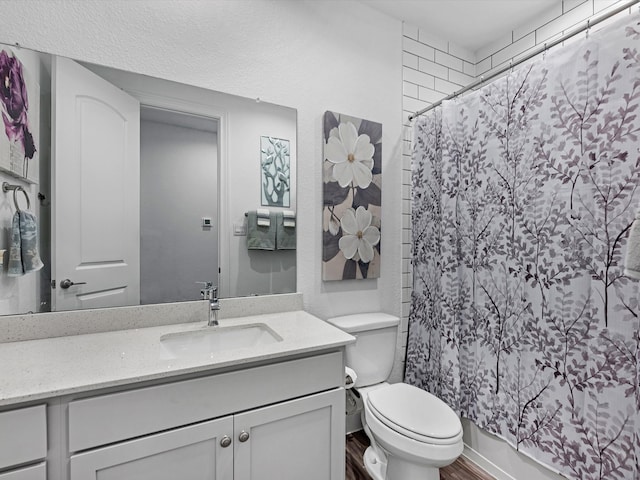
(23, 252)
(286, 230)
(260, 237)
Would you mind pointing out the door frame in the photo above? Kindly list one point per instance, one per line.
(210, 112)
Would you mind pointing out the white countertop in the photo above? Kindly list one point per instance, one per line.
(39, 369)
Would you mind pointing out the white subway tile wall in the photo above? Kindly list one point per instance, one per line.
(434, 68)
(508, 53)
(418, 77)
(416, 48)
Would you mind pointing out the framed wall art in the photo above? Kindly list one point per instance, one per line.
(20, 108)
(275, 168)
(352, 180)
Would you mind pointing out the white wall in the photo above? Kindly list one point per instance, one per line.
(310, 55)
(432, 69)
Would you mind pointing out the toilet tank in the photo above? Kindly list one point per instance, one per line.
(373, 353)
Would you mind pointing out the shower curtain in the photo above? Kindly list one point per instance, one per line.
(523, 194)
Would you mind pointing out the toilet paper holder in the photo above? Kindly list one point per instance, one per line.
(350, 378)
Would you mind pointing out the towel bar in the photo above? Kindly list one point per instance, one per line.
(246, 214)
(6, 186)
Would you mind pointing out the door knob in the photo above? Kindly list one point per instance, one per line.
(243, 437)
(225, 441)
(66, 283)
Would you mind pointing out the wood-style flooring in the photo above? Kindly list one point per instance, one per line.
(357, 443)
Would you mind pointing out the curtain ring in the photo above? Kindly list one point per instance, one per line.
(15, 198)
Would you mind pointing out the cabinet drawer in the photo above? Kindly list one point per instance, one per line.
(37, 472)
(23, 436)
(111, 418)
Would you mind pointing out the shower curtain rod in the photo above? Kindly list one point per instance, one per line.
(590, 23)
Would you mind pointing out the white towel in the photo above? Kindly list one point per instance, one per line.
(264, 217)
(289, 218)
(632, 260)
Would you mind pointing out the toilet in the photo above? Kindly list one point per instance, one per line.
(412, 432)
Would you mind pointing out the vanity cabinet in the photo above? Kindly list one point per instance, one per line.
(283, 421)
(23, 443)
(287, 441)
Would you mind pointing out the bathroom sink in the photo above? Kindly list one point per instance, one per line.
(211, 340)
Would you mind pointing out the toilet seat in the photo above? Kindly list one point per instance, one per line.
(396, 444)
(416, 414)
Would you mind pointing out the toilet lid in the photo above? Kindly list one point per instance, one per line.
(415, 413)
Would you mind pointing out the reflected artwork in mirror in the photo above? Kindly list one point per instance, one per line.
(20, 106)
(143, 186)
(275, 161)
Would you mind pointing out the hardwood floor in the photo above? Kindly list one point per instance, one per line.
(357, 443)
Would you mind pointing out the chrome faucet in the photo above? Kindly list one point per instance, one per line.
(209, 292)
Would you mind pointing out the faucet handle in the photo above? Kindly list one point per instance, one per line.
(209, 292)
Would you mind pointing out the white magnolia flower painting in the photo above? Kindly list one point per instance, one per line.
(352, 175)
(358, 235)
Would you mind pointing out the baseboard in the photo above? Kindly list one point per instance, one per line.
(485, 464)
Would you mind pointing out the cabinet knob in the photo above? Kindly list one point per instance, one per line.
(243, 437)
(225, 441)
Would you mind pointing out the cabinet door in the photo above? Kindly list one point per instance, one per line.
(298, 439)
(188, 453)
(37, 472)
(23, 436)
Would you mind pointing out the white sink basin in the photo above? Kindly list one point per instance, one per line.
(211, 340)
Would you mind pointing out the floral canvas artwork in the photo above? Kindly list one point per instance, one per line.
(352, 180)
(275, 164)
(20, 108)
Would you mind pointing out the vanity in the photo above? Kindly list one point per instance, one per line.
(143, 389)
(168, 402)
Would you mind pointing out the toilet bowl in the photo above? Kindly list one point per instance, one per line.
(412, 432)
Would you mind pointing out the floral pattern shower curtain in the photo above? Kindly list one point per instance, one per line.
(523, 196)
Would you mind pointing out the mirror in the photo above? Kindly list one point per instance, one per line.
(192, 168)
